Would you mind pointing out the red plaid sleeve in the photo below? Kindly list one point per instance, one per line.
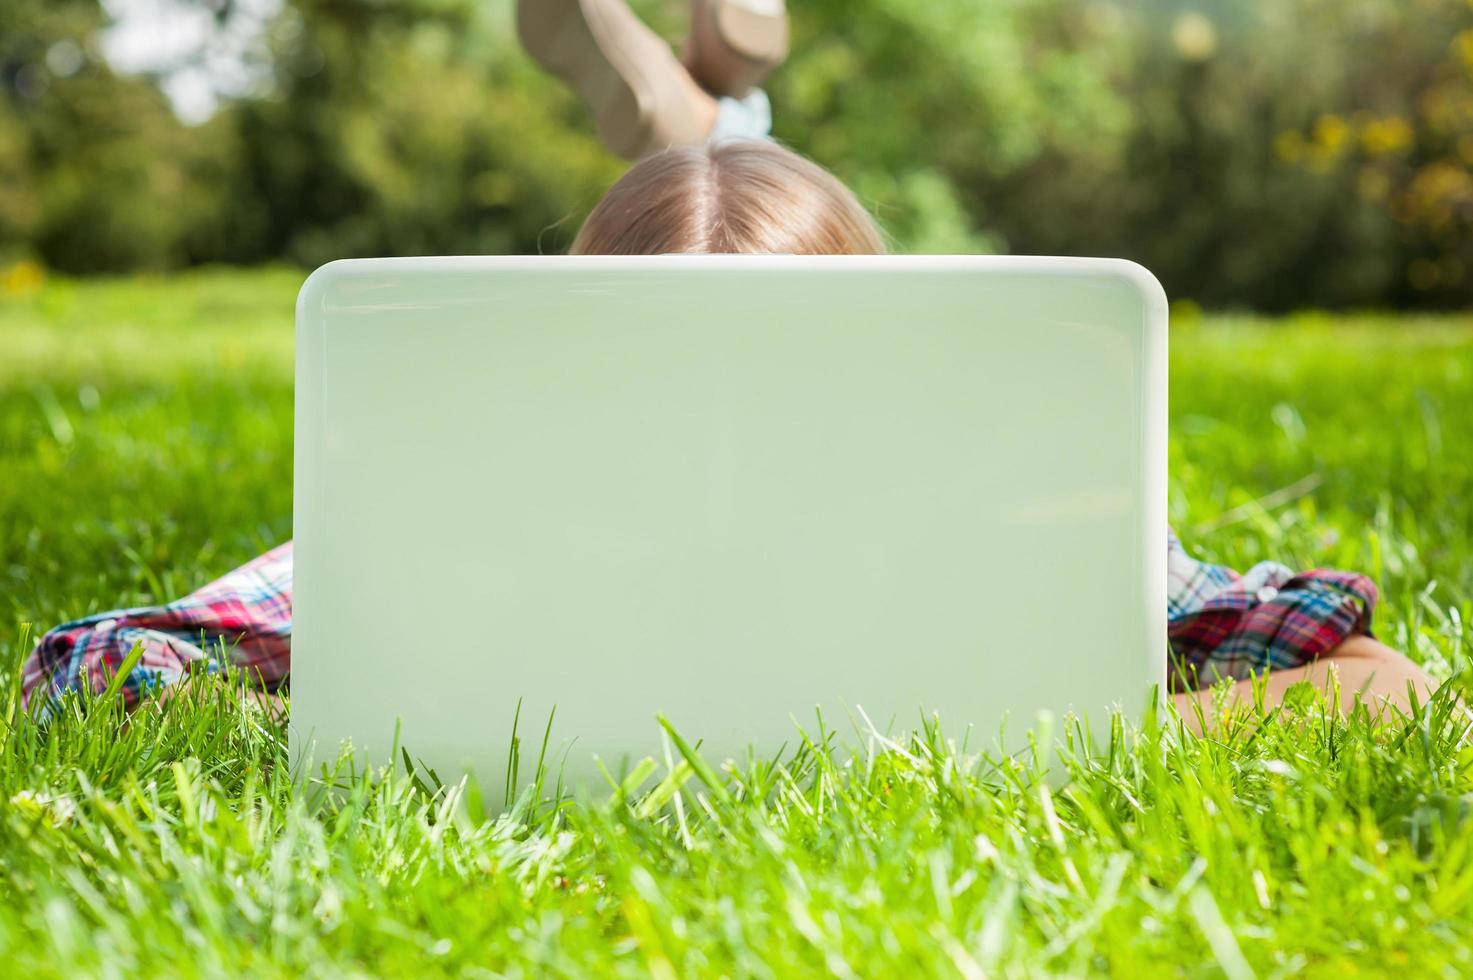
(243, 620)
(1235, 626)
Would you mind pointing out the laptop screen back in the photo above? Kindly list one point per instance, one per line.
(726, 489)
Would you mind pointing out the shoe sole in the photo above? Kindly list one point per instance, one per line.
(734, 44)
(760, 35)
(569, 39)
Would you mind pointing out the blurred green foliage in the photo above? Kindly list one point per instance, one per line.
(1270, 153)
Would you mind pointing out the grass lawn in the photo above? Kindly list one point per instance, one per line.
(145, 447)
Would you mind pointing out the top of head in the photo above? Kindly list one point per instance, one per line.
(735, 196)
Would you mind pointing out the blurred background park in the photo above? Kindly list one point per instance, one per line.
(1263, 154)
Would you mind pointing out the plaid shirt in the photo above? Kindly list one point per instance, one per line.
(243, 619)
(1222, 624)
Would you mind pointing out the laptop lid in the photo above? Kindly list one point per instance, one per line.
(728, 489)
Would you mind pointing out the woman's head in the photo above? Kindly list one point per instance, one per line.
(738, 196)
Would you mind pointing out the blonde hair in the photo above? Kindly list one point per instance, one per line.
(735, 196)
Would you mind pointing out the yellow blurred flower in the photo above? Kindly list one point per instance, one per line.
(1386, 135)
(1331, 132)
(1194, 36)
(1439, 192)
(22, 278)
(1463, 48)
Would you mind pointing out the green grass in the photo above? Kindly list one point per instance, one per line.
(145, 446)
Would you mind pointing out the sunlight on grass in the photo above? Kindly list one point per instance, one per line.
(145, 439)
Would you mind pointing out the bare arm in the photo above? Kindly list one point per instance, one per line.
(1369, 672)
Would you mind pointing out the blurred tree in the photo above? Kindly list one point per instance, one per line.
(1406, 149)
(409, 127)
(20, 211)
(97, 169)
(923, 106)
(1274, 153)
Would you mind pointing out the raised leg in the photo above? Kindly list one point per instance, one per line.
(643, 100)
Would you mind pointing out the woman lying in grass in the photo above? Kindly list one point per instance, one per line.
(711, 181)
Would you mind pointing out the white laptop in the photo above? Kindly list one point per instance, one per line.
(730, 490)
